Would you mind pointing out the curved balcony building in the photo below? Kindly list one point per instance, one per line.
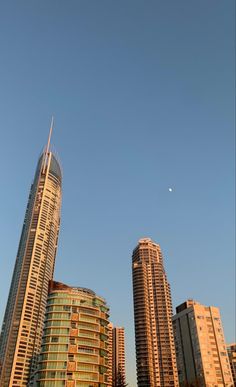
(74, 349)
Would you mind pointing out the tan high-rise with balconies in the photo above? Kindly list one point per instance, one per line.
(118, 356)
(22, 327)
(155, 350)
(200, 346)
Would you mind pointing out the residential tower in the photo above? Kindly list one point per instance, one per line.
(155, 349)
(74, 349)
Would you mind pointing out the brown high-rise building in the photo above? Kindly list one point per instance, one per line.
(22, 327)
(109, 349)
(155, 349)
(118, 356)
(200, 346)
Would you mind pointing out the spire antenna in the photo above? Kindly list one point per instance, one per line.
(49, 136)
(48, 145)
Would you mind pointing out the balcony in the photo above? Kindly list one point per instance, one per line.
(72, 348)
(71, 366)
(74, 317)
(74, 332)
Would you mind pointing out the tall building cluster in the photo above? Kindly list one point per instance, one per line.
(56, 335)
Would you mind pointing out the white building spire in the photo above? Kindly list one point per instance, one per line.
(48, 145)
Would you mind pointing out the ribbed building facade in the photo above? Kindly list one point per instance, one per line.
(155, 350)
(109, 362)
(22, 328)
(118, 356)
(75, 344)
(200, 346)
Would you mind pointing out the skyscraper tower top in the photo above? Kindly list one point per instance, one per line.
(147, 241)
(22, 327)
(54, 165)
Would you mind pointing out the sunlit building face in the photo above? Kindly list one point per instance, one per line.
(22, 328)
(155, 351)
(75, 341)
(200, 346)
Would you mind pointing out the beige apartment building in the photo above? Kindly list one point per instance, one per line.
(231, 348)
(155, 349)
(75, 344)
(22, 328)
(200, 346)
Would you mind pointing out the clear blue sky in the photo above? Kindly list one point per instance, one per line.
(143, 98)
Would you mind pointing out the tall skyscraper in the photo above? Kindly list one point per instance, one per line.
(118, 356)
(231, 349)
(22, 327)
(75, 340)
(155, 350)
(200, 346)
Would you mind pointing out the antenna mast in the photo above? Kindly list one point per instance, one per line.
(48, 145)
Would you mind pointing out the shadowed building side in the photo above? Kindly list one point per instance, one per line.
(22, 327)
(231, 349)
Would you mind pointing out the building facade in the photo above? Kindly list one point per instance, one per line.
(231, 348)
(74, 349)
(118, 356)
(155, 349)
(109, 362)
(22, 328)
(200, 346)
